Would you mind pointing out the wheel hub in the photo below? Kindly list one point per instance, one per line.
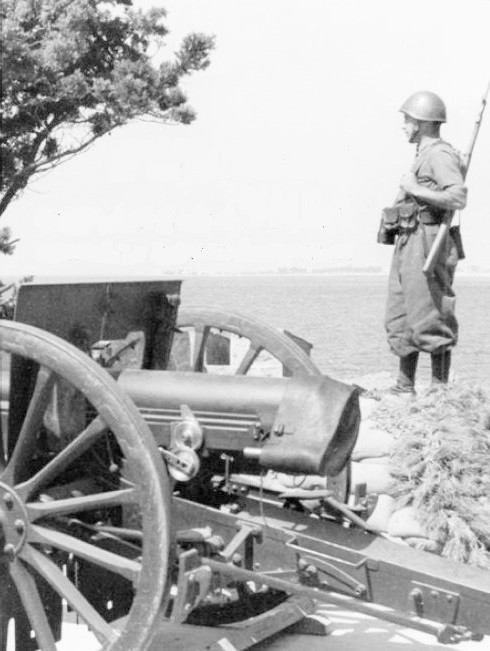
(13, 523)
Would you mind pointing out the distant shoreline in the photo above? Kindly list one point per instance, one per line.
(170, 275)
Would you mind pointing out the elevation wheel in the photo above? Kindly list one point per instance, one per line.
(43, 525)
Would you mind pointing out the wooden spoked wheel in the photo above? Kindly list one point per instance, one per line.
(261, 337)
(35, 540)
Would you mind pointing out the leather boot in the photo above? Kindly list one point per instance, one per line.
(406, 373)
(441, 363)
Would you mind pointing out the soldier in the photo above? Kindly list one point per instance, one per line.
(420, 310)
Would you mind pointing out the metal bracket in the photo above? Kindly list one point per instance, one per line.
(309, 566)
(360, 504)
(310, 563)
(228, 459)
(433, 603)
(246, 535)
(193, 585)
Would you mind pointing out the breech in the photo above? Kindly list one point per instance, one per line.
(420, 311)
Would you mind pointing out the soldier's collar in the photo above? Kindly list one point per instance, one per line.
(428, 144)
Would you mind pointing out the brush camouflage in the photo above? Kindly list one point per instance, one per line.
(424, 106)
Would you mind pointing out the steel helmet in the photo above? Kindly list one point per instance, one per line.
(425, 106)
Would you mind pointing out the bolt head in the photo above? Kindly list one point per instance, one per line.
(311, 570)
(9, 550)
(8, 500)
(302, 563)
(19, 526)
(237, 559)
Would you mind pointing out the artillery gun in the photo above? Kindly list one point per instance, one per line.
(134, 489)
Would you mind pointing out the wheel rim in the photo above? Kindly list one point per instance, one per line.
(31, 528)
(261, 336)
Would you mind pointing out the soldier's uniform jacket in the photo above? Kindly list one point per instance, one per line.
(437, 166)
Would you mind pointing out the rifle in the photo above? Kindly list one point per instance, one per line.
(435, 250)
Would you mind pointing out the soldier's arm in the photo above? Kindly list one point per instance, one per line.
(452, 197)
(450, 192)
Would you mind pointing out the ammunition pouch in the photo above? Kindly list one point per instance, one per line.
(408, 213)
(404, 217)
(401, 218)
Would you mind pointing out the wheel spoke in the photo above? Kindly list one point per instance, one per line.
(200, 339)
(249, 358)
(125, 567)
(65, 588)
(121, 532)
(59, 463)
(36, 510)
(29, 594)
(32, 421)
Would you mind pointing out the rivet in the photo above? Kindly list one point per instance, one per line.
(311, 570)
(9, 550)
(302, 564)
(237, 559)
(19, 526)
(9, 500)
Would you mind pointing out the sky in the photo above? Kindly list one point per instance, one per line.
(296, 149)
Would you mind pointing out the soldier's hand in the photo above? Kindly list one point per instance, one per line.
(409, 183)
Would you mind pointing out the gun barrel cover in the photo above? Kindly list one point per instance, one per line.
(315, 429)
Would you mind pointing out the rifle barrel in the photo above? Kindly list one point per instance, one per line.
(438, 243)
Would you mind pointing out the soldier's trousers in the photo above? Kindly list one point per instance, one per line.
(420, 311)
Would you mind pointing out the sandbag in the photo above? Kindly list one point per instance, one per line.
(376, 476)
(371, 442)
(379, 518)
(367, 405)
(425, 544)
(404, 523)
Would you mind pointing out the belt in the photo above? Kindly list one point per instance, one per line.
(429, 219)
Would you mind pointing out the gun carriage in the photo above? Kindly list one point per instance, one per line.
(132, 489)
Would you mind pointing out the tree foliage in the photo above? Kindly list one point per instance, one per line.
(6, 243)
(74, 70)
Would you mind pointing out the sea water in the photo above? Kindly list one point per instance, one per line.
(342, 316)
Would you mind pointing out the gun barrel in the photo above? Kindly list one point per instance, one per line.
(305, 425)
